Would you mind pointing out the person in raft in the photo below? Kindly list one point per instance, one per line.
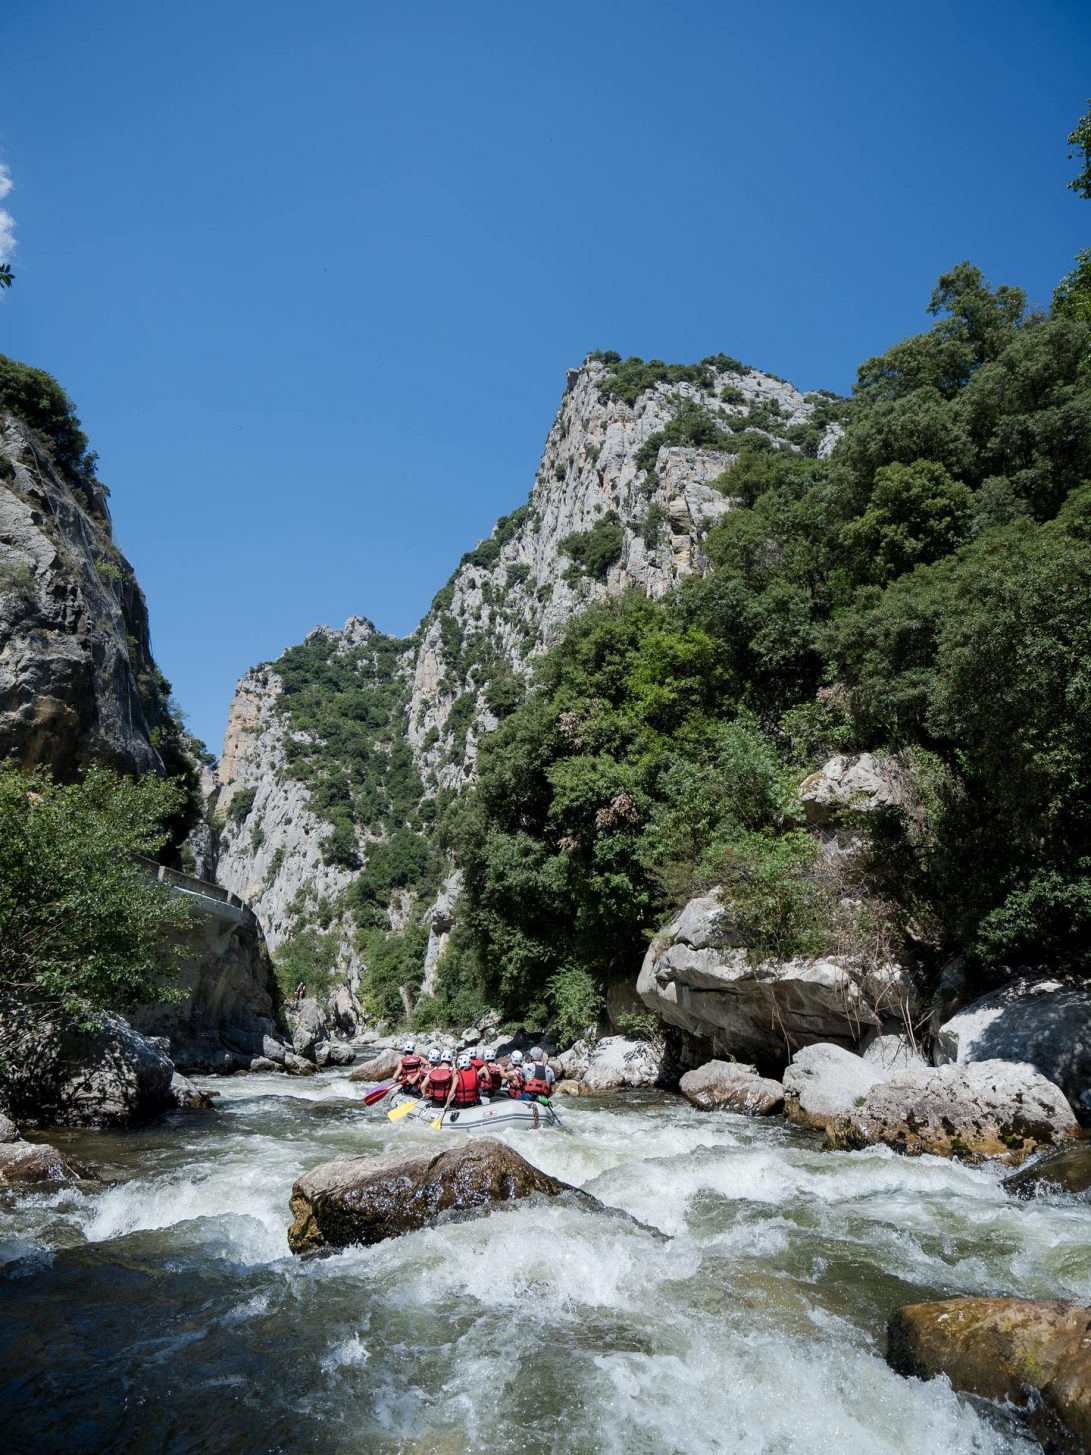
(492, 1076)
(513, 1075)
(411, 1068)
(538, 1077)
(439, 1079)
(465, 1087)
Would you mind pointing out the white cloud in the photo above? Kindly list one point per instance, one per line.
(7, 222)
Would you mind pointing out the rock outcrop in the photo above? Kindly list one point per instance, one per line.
(826, 1082)
(698, 978)
(617, 1063)
(367, 1199)
(992, 1109)
(1039, 1020)
(1034, 1354)
(55, 1072)
(728, 1086)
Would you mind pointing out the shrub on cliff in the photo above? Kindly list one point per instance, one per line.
(39, 401)
(82, 923)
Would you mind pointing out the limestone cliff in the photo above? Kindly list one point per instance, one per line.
(623, 498)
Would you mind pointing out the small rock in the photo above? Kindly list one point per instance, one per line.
(1067, 1170)
(9, 1132)
(825, 1082)
(989, 1109)
(298, 1065)
(1032, 1353)
(367, 1199)
(379, 1068)
(566, 1087)
(26, 1163)
(335, 1053)
(186, 1096)
(264, 1063)
(728, 1086)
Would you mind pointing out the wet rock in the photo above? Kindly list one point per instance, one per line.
(1066, 1169)
(367, 1199)
(334, 1053)
(379, 1068)
(617, 1063)
(729, 1086)
(1032, 1353)
(9, 1132)
(265, 1063)
(308, 1024)
(698, 979)
(57, 1072)
(566, 1087)
(298, 1065)
(990, 1109)
(1042, 1021)
(825, 1082)
(186, 1096)
(23, 1163)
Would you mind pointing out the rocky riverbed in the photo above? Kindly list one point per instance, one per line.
(161, 1309)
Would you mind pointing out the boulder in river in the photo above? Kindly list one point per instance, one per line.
(334, 1053)
(825, 1082)
(1065, 1170)
(367, 1199)
(379, 1068)
(186, 1096)
(700, 980)
(989, 1109)
(729, 1086)
(56, 1071)
(27, 1163)
(618, 1063)
(298, 1065)
(1032, 1353)
(307, 1021)
(1043, 1021)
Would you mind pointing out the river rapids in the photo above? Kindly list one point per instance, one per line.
(162, 1312)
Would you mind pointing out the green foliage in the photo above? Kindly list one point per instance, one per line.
(308, 958)
(577, 1001)
(594, 551)
(241, 804)
(916, 514)
(1079, 139)
(691, 426)
(39, 401)
(391, 963)
(1072, 296)
(82, 923)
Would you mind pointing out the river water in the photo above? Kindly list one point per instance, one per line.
(162, 1311)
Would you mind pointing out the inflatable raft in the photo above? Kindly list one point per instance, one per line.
(500, 1112)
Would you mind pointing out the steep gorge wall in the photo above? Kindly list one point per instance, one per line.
(509, 600)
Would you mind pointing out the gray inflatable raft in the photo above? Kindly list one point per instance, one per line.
(500, 1112)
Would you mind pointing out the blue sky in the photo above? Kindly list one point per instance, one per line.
(313, 275)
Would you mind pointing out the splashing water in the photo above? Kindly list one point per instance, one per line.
(162, 1311)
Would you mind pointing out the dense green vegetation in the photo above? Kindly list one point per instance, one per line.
(37, 398)
(925, 591)
(82, 924)
(592, 552)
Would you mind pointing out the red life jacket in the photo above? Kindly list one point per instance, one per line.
(439, 1084)
(408, 1069)
(537, 1082)
(493, 1079)
(478, 1064)
(466, 1088)
(515, 1085)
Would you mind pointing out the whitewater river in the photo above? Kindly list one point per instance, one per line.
(163, 1312)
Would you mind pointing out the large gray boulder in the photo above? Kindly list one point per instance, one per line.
(698, 979)
(53, 1071)
(368, 1199)
(991, 1109)
(618, 1063)
(334, 1053)
(825, 1082)
(30, 1163)
(379, 1068)
(1042, 1021)
(729, 1086)
(9, 1132)
(1034, 1354)
(308, 1025)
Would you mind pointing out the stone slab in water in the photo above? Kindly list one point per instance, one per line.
(1068, 1169)
(23, 1163)
(368, 1199)
(729, 1086)
(1032, 1353)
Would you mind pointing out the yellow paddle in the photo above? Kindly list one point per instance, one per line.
(401, 1111)
(435, 1126)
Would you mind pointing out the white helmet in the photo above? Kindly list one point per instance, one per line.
(536, 1053)
(463, 1063)
(489, 1053)
(446, 1058)
(435, 1055)
(409, 1047)
(517, 1058)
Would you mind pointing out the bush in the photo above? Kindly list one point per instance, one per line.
(577, 1001)
(594, 551)
(39, 401)
(82, 923)
(308, 958)
(241, 804)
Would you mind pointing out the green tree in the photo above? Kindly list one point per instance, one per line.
(82, 923)
(7, 277)
(916, 514)
(1079, 139)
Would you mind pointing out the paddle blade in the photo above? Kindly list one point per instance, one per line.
(435, 1126)
(377, 1093)
(401, 1111)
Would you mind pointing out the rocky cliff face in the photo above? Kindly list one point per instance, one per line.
(77, 679)
(623, 498)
